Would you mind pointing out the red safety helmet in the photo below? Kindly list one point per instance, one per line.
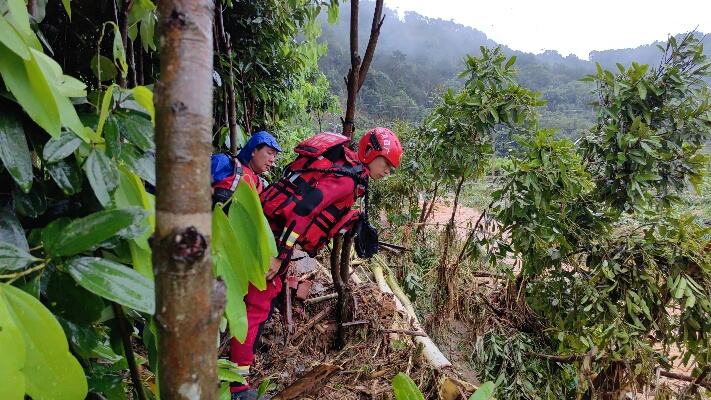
(380, 142)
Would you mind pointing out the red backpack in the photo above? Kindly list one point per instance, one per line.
(312, 202)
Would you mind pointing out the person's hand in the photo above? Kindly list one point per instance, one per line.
(273, 268)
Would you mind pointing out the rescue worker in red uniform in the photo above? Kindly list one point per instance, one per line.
(255, 158)
(307, 207)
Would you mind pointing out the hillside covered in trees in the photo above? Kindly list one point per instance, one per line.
(418, 57)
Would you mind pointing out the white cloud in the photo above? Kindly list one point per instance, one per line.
(576, 27)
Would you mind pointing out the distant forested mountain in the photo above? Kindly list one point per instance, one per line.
(418, 57)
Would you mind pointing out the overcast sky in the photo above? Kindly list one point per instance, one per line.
(570, 26)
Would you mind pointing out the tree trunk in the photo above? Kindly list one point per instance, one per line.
(358, 72)
(188, 300)
(230, 84)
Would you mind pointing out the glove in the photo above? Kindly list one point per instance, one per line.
(366, 239)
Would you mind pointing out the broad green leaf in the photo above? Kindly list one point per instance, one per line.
(58, 148)
(229, 264)
(642, 90)
(333, 13)
(104, 111)
(141, 258)
(85, 233)
(86, 341)
(119, 53)
(405, 388)
(53, 232)
(148, 27)
(256, 244)
(30, 204)
(20, 20)
(103, 68)
(50, 370)
(70, 301)
(12, 258)
(137, 130)
(11, 230)
(26, 82)
(229, 371)
(14, 153)
(112, 138)
(67, 7)
(102, 174)
(144, 97)
(142, 164)
(511, 61)
(12, 362)
(115, 282)
(131, 193)
(485, 392)
(12, 39)
(66, 85)
(67, 176)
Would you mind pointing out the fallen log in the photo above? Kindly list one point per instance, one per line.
(310, 383)
(430, 351)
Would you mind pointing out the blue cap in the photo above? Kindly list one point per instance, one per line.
(256, 140)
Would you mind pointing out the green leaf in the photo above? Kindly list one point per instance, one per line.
(11, 230)
(12, 258)
(137, 130)
(511, 61)
(119, 53)
(144, 97)
(59, 148)
(86, 342)
(50, 370)
(148, 27)
(67, 8)
(30, 204)
(102, 174)
(12, 362)
(228, 264)
(115, 282)
(642, 90)
(103, 68)
(405, 389)
(142, 164)
(333, 13)
(485, 392)
(257, 246)
(13, 40)
(229, 371)
(67, 176)
(70, 301)
(104, 112)
(85, 233)
(14, 153)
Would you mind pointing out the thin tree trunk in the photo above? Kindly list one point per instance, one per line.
(353, 74)
(427, 210)
(128, 350)
(231, 105)
(131, 64)
(139, 66)
(358, 71)
(189, 301)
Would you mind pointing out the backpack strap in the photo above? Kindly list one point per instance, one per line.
(238, 172)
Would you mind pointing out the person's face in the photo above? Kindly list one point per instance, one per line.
(262, 159)
(379, 168)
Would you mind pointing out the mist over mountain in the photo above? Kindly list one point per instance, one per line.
(418, 57)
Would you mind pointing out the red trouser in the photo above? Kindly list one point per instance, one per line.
(259, 305)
